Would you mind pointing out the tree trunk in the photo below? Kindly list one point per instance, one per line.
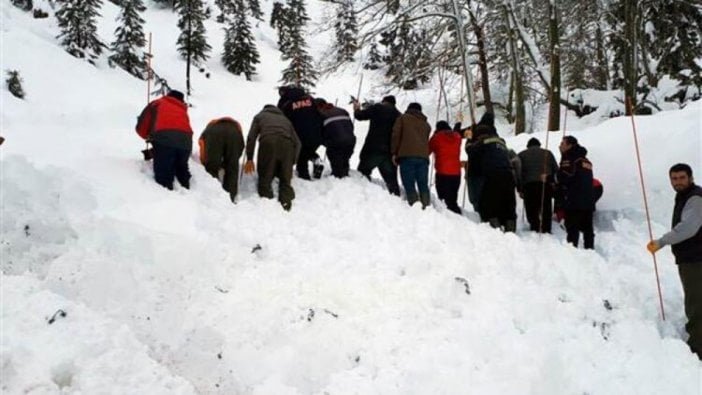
(630, 56)
(187, 64)
(602, 71)
(482, 62)
(509, 108)
(554, 108)
(520, 116)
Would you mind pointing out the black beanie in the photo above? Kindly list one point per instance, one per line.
(487, 119)
(414, 106)
(177, 95)
(533, 142)
(443, 125)
(390, 99)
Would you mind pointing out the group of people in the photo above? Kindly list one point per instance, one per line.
(290, 133)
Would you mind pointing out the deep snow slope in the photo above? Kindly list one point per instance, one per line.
(350, 292)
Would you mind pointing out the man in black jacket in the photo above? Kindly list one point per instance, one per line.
(539, 168)
(337, 136)
(299, 107)
(686, 241)
(576, 192)
(376, 148)
(489, 161)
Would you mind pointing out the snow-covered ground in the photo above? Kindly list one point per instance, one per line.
(352, 292)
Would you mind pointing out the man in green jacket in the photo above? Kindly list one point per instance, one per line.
(278, 149)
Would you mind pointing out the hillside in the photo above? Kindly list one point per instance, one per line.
(351, 292)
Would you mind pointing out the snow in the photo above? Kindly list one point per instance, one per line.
(166, 292)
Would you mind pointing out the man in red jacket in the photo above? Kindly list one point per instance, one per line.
(165, 124)
(445, 144)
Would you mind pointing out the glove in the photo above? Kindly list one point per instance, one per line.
(653, 246)
(249, 167)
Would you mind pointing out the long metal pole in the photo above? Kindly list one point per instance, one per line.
(464, 57)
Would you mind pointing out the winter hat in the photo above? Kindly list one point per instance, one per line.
(319, 102)
(481, 130)
(570, 140)
(414, 106)
(177, 95)
(443, 125)
(487, 119)
(533, 142)
(390, 99)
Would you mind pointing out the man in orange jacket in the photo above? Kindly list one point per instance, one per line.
(445, 144)
(165, 124)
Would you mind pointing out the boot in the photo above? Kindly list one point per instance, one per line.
(425, 199)
(494, 222)
(412, 198)
(510, 225)
(317, 169)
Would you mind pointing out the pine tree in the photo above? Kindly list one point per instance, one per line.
(240, 54)
(375, 59)
(346, 32)
(77, 20)
(408, 57)
(290, 20)
(192, 41)
(129, 39)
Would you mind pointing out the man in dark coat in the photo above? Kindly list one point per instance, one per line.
(489, 161)
(221, 145)
(686, 241)
(376, 148)
(410, 149)
(574, 179)
(277, 152)
(337, 136)
(538, 173)
(299, 107)
(165, 124)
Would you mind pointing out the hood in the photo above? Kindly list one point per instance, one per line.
(577, 151)
(417, 114)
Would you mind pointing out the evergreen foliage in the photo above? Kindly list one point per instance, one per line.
(674, 39)
(254, 7)
(24, 5)
(14, 84)
(346, 32)
(290, 20)
(374, 61)
(127, 49)
(407, 58)
(77, 20)
(193, 39)
(240, 54)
